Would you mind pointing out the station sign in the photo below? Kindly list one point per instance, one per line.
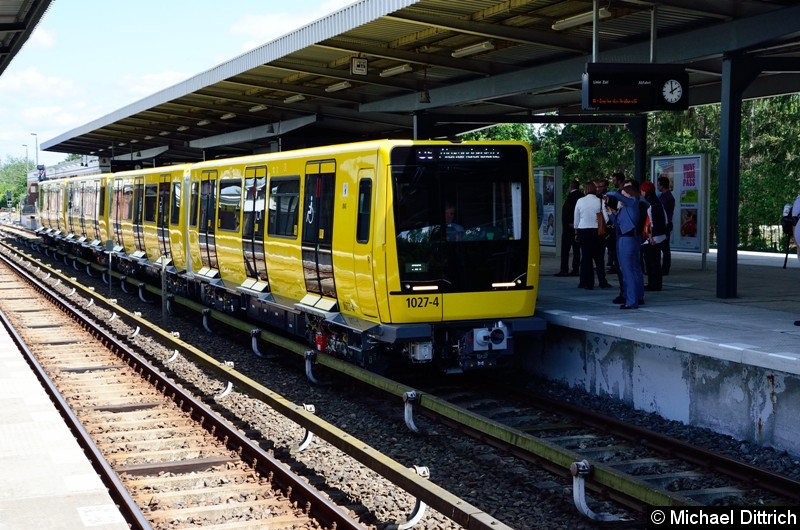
(630, 87)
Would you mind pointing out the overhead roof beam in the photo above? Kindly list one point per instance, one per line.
(254, 133)
(708, 41)
(498, 31)
(468, 65)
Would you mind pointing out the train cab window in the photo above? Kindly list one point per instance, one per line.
(150, 201)
(284, 198)
(175, 211)
(364, 210)
(485, 192)
(229, 210)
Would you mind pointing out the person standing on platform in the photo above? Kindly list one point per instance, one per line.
(654, 237)
(618, 180)
(601, 185)
(629, 257)
(668, 202)
(586, 225)
(568, 232)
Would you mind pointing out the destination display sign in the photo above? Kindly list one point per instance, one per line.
(632, 87)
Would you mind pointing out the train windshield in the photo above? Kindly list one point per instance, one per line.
(461, 215)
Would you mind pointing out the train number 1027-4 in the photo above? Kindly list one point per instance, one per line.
(419, 302)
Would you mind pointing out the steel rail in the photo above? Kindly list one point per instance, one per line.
(460, 511)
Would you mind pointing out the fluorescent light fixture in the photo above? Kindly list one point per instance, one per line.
(183, 128)
(294, 99)
(134, 141)
(579, 20)
(227, 116)
(484, 46)
(163, 133)
(203, 122)
(148, 137)
(396, 70)
(257, 108)
(338, 86)
(122, 143)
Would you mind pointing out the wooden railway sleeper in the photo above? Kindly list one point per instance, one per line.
(580, 470)
(419, 507)
(408, 411)
(308, 436)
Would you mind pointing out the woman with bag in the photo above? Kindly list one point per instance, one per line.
(590, 219)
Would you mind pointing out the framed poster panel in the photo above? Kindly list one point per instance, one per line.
(689, 182)
(547, 181)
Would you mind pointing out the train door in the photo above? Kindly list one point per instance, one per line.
(84, 199)
(162, 215)
(207, 225)
(317, 251)
(254, 221)
(138, 207)
(100, 211)
(73, 207)
(362, 250)
(120, 208)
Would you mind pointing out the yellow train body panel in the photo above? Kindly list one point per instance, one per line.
(428, 248)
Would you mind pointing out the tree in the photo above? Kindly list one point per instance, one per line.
(14, 178)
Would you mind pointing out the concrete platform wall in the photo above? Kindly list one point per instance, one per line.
(744, 401)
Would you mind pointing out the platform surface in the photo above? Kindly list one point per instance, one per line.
(756, 327)
(46, 481)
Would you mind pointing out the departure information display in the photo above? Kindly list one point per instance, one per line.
(631, 87)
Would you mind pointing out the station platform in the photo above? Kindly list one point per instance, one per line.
(732, 365)
(46, 481)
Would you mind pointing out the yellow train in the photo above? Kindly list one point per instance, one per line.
(349, 246)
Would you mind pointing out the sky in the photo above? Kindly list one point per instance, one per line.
(88, 58)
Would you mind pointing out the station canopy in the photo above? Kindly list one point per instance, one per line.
(18, 18)
(433, 69)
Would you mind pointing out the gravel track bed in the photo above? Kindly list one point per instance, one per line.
(517, 493)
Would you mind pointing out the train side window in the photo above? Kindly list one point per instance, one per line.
(208, 199)
(150, 201)
(229, 209)
(102, 205)
(284, 197)
(194, 207)
(175, 211)
(364, 210)
(138, 192)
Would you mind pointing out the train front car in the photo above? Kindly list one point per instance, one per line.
(462, 252)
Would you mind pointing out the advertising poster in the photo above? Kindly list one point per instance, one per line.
(547, 181)
(688, 176)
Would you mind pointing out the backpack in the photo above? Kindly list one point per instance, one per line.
(788, 220)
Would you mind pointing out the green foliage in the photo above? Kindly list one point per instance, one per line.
(14, 177)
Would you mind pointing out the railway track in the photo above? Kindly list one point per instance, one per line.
(181, 464)
(646, 467)
(607, 461)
